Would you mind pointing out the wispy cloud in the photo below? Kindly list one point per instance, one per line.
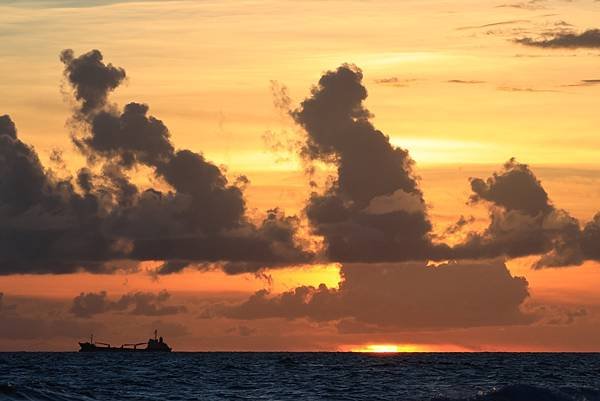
(569, 40)
(72, 3)
(586, 82)
(518, 89)
(462, 81)
(395, 81)
(525, 5)
(494, 24)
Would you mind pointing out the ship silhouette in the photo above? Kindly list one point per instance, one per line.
(155, 344)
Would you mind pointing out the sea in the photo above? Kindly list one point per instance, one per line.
(299, 376)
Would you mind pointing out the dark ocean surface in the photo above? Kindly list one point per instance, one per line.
(299, 376)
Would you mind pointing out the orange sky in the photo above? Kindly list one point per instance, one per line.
(445, 81)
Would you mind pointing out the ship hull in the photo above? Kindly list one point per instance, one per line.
(87, 347)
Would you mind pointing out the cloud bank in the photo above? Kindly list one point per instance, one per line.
(372, 209)
(399, 296)
(61, 226)
(137, 303)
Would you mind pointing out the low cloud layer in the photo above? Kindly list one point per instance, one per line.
(399, 296)
(5, 306)
(36, 322)
(136, 303)
(39, 319)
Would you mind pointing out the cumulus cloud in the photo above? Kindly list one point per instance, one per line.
(400, 296)
(91, 78)
(523, 221)
(567, 40)
(515, 188)
(373, 210)
(590, 241)
(46, 225)
(203, 218)
(61, 226)
(86, 305)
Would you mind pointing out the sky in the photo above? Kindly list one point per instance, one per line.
(301, 175)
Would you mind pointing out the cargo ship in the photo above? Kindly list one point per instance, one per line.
(155, 344)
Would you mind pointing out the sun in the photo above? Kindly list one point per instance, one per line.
(386, 348)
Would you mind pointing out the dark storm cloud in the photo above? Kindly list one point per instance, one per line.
(373, 210)
(137, 303)
(402, 296)
(568, 40)
(523, 221)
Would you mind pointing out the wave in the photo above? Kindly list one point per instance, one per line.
(525, 392)
(9, 392)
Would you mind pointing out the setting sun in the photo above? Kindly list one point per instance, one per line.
(387, 348)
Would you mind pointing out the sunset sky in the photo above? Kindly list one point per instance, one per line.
(382, 132)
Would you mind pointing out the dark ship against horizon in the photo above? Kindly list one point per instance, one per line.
(155, 344)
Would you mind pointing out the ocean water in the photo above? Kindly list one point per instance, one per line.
(299, 376)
